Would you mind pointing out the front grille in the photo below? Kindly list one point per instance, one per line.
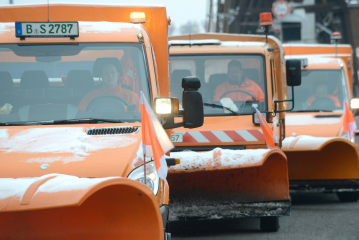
(112, 131)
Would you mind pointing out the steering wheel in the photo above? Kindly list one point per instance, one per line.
(238, 90)
(107, 103)
(323, 103)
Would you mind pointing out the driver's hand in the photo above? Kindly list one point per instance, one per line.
(228, 103)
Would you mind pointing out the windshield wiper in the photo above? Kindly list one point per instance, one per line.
(84, 120)
(17, 123)
(220, 106)
(70, 121)
(313, 111)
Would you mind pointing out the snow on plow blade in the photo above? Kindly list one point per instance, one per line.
(323, 162)
(229, 184)
(58, 206)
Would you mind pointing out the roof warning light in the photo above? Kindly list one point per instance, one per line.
(138, 17)
(336, 36)
(265, 19)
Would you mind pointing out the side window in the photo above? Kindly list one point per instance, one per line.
(180, 69)
(273, 78)
(155, 64)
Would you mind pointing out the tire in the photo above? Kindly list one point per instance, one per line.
(269, 224)
(348, 196)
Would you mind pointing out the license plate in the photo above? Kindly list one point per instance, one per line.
(177, 137)
(47, 29)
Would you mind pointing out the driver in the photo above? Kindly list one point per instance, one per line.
(237, 81)
(111, 86)
(321, 91)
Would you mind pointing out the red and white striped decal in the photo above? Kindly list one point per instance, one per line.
(222, 136)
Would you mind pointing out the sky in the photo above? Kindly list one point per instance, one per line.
(179, 10)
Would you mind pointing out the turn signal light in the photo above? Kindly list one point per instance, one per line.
(172, 161)
(265, 19)
(137, 17)
(270, 117)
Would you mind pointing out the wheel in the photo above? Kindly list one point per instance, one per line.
(269, 224)
(348, 196)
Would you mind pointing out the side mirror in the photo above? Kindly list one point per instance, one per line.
(294, 72)
(192, 102)
(294, 78)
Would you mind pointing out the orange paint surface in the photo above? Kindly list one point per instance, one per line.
(113, 208)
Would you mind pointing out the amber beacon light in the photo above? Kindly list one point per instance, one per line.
(336, 36)
(137, 17)
(265, 19)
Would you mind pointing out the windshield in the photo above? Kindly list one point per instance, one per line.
(44, 82)
(321, 90)
(236, 82)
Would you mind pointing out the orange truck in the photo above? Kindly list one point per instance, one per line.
(71, 158)
(226, 169)
(320, 156)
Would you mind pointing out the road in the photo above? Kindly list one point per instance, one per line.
(313, 216)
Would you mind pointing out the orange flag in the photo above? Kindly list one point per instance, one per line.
(267, 131)
(349, 125)
(155, 141)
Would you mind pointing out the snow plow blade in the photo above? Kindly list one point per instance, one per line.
(229, 184)
(330, 163)
(58, 206)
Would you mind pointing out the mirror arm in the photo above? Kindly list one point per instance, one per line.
(168, 122)
(173, 125)
(279, 101)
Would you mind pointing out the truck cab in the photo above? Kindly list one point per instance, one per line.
(320, 155)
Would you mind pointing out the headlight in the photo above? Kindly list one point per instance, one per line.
(166, 105)
(152, 179)
(354, 103)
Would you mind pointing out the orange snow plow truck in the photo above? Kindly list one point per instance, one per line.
(320, 155)
(226, 169)
(71, 158)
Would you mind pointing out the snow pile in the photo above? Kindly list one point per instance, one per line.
(62, 140)
(3, 133)
(105, 27)
(70, 183)
(320, 60)
(307, 119)
(217, 157)
(16, 187)
(10, 187)
(65, 160)
(7, 27)
(304, 142)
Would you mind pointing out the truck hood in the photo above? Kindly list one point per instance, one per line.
(105, 151)
(324, 124)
